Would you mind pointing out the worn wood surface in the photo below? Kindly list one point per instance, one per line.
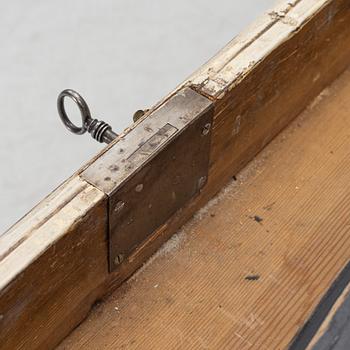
(261, 97)
(250, 268)
(53, 263)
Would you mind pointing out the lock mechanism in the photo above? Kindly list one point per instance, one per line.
(152, 171)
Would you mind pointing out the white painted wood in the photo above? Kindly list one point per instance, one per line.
(44, 225)
(239, 57)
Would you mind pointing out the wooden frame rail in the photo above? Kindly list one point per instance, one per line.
(54, 261)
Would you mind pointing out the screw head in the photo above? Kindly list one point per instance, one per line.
(139, 188)
(206, 129)
(119, 206)
(118, 259)
(201, 182)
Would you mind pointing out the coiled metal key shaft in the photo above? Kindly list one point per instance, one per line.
(98, 129)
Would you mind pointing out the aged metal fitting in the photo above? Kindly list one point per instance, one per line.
(201, 182)
(98, 129)
(206, 129)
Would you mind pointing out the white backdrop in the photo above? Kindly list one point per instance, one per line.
(122, 55)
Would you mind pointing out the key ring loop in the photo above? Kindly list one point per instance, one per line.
(83, 107)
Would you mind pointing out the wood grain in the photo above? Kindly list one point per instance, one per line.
(53, 263)
(49, 277)
(260, 99)
(249, 269)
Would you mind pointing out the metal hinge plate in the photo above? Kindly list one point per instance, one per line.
(154, 170)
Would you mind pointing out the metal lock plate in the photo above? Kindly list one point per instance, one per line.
(154, 170)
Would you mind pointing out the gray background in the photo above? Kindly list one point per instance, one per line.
(120, 55)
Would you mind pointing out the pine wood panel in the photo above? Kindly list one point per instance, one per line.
(263, 94)
(249, 270)
(52, 262)
(265, 77)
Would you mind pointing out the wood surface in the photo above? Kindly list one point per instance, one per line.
(53, 263)
(250, 268)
